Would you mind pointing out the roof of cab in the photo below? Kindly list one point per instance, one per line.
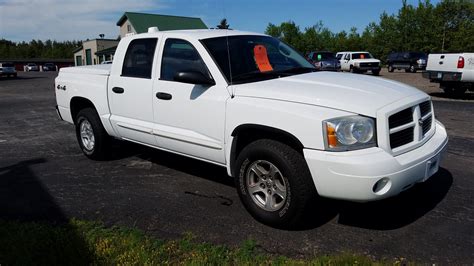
(197, 34)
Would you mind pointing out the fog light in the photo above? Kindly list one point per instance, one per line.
(382, 186)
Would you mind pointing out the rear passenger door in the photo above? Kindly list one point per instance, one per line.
(189, 118)
(131, 92)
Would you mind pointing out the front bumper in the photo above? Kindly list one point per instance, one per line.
(353, 175)
(367, 68)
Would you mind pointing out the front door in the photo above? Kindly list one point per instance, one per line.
(130, 93)
(345, 62)
(189, 118)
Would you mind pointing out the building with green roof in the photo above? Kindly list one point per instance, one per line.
(96, 51)
(132, 22)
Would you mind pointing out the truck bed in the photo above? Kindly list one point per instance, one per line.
(102, 70)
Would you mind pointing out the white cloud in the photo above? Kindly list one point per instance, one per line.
(66, 19)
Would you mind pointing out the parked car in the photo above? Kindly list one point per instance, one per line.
(359, 62)
(32, 67)
(409, 61)
(325, 61)
(7, 70)
(252, 104)
(49, 67)
(453, 72)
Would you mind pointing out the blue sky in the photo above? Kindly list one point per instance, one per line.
(69, 19)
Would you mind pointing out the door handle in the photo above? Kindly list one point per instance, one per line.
(118, 90)
(163, 96)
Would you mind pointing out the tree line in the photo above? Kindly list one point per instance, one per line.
(445, 27)
(37, 49)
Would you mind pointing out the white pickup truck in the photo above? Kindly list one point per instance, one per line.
(359, 62)
(453, 72)
(252, 104)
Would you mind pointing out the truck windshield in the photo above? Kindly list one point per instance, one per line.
(323, 56)
(361, 56)
(249, 58)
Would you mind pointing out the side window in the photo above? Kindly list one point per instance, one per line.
(347, 57)
(138, 60)
(180, 56)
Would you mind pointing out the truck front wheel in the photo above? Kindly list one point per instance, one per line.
(274, 183)
(91, 135)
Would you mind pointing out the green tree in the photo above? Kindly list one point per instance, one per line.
(223, 24)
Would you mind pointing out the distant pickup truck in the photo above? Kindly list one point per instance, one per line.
(359, 62)
(252, 104)
(453, 72)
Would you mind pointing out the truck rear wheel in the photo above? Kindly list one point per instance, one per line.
(274, 183)
(91, 135)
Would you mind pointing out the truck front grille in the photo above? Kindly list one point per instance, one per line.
(401, 138)
(410, 125)
(369, 64)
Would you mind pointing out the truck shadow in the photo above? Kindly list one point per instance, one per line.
(398, 211)
(28, 216)
(388, 214)
(466, 96)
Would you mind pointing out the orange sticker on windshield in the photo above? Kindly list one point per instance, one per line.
(261, 58)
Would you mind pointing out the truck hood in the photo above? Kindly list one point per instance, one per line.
(354, 93)
(368, 60)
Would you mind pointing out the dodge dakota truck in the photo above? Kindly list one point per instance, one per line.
(252, 104)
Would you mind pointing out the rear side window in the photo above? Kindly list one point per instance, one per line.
(138, 61)
(180, 56)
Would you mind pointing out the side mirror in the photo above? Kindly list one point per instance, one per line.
(193, 77)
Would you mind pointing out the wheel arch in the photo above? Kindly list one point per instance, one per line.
(78, 103)
(247, 133)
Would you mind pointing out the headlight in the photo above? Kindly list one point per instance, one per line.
(349, 133)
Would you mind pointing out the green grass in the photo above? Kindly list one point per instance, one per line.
(81, 242)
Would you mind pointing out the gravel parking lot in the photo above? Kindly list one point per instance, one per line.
(45, 177)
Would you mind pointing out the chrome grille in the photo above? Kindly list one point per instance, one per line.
(369, 64)
(410, 125)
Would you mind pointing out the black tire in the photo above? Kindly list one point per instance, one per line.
(100, 148)
(390, 68)
(353, 70)
(412, 69)
(300, 190)
(376, 72)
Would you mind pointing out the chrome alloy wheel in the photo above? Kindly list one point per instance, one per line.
(266, 185)
(87, 135)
